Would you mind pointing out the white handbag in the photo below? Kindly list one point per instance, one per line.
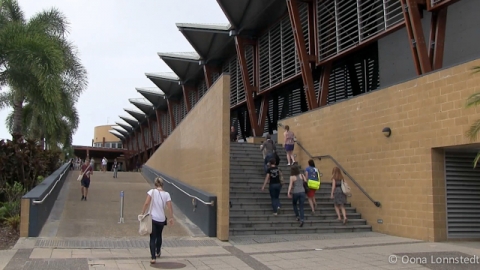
(146, 221)
(346, 189)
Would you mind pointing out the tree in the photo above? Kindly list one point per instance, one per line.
(42, 71)
(473, 132)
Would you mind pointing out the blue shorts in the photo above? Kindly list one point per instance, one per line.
(289, 147)
(85, 182)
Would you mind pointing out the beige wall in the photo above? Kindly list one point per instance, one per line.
(198, 150)
(102, 131)
(404, 172)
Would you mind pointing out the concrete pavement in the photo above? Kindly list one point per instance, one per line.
(360, 251)
(100, 214)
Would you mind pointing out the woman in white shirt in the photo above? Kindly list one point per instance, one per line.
(161, 200)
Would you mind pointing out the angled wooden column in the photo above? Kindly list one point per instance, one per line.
(144, 144)
(159, 125)
(437, 37)
(263, 112)
(324, 84)
(150, 127)
(208, 72)
(249, 89)
(144, 137)
(197, 96)
(137, 138)
(418, 46)
(171, 115)
(312, 25)
(186, 95)
(307, 76)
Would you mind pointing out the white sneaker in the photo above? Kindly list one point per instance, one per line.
(288, 164)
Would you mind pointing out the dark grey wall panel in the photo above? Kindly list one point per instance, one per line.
(463, 33)
(461, 43)
(204, 216)
(395, 56)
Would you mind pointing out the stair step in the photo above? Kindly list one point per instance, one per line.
(251, 211)
(285, 216)
(278, 224)
(255, 205)
(265, 195)
(268, 211)
(302, 230)
(283, 198)
(254, 186)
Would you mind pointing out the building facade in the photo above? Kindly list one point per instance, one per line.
(106, 142)
(338, 73)
(103, 136)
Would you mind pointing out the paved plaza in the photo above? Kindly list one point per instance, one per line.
(86, 235)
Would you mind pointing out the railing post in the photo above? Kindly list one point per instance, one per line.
(121, 207)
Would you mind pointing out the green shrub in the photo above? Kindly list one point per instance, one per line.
(13, 222)
(23, 161)
(9, 209)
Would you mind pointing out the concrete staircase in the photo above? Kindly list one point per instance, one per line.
(251, 211)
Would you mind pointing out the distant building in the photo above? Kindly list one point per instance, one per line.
(106, 143)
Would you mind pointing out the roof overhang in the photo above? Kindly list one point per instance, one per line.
(126, 127)
(185, 65)
(211, 41)
(143, 105)
(117, 134)
(121, 131)
(168, 83)
(98, 152)
(132, 122)
(139, 116)
(252, 15)
(155, 96)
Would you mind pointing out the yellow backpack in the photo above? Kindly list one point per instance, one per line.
(314, 184)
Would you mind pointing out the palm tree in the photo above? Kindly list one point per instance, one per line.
(473, 131)
(41, 69)
(33, 128)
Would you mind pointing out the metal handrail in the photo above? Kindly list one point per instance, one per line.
(54, 185)
(376, 203)
(212, 203)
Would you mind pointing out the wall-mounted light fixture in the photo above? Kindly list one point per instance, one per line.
(387, 131)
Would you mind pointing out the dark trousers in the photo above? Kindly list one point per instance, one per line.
(275, 190)
(156, 238)
(299, 198)
(268, 157)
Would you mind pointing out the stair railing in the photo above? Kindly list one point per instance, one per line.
(376, 203)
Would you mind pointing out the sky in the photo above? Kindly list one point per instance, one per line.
(118, 41)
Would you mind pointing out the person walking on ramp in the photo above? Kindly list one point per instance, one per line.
(86, 171)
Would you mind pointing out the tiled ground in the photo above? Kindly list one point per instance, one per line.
(365, 251)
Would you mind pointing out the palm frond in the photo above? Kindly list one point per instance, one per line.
(52, 22)
(473, 131)
(475, 161)
(10, 10)
(473, 100)
(9, 122)
(6, 100)
(75, 76)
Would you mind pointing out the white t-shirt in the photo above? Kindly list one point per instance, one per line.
(160, 199)
(104, 162)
